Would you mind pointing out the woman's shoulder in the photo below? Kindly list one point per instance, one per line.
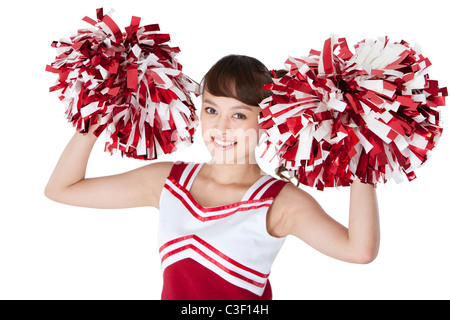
(289, 206)
(156, 173)
(292, 198)
(159, 167)
(160, 171)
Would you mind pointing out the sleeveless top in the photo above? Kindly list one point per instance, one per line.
(222, 252)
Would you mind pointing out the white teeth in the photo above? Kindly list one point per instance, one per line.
(223, 143)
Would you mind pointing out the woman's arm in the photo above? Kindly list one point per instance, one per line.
(294, 212)
(67, 184)
(364, 224)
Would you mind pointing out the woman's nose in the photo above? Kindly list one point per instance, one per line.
(222, 124)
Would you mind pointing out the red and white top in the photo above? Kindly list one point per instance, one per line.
(220, 252)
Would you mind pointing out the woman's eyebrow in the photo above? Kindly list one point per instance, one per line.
(239, 106)
(210, 102)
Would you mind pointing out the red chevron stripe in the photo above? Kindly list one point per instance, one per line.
(210, 247)
(215, 262)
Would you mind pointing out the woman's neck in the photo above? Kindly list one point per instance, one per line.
(233, 173)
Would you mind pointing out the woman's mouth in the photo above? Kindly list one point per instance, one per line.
(223, 144)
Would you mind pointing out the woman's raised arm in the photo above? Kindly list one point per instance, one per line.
(135, 188)
(295, 212)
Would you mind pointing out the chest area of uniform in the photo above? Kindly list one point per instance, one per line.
(209, 194)
(180, 206)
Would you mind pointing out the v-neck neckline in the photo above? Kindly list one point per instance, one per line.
(244, 199)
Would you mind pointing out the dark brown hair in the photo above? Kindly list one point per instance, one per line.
(239, 77)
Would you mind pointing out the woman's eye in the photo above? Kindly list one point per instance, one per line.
(210, 110)
(239, 116)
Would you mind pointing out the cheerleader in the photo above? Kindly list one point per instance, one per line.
(223, 222)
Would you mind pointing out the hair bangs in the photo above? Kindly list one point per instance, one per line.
(239, 77)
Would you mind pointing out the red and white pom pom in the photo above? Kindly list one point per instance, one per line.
(132, 81)
(337, 115)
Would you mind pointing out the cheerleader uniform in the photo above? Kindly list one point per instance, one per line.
(222, 252)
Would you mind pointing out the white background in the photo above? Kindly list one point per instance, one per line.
(53, 251)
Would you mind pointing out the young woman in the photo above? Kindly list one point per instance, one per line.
(222, 223)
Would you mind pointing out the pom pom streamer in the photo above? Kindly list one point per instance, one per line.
(337, 115)
(132, 82)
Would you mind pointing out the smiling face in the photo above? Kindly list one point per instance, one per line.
(232, 91)
(230, 129)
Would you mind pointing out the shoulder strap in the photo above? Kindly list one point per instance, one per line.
(183, 173)
(274, 188)
(189, 175)
(269, 188)
(177, 170)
